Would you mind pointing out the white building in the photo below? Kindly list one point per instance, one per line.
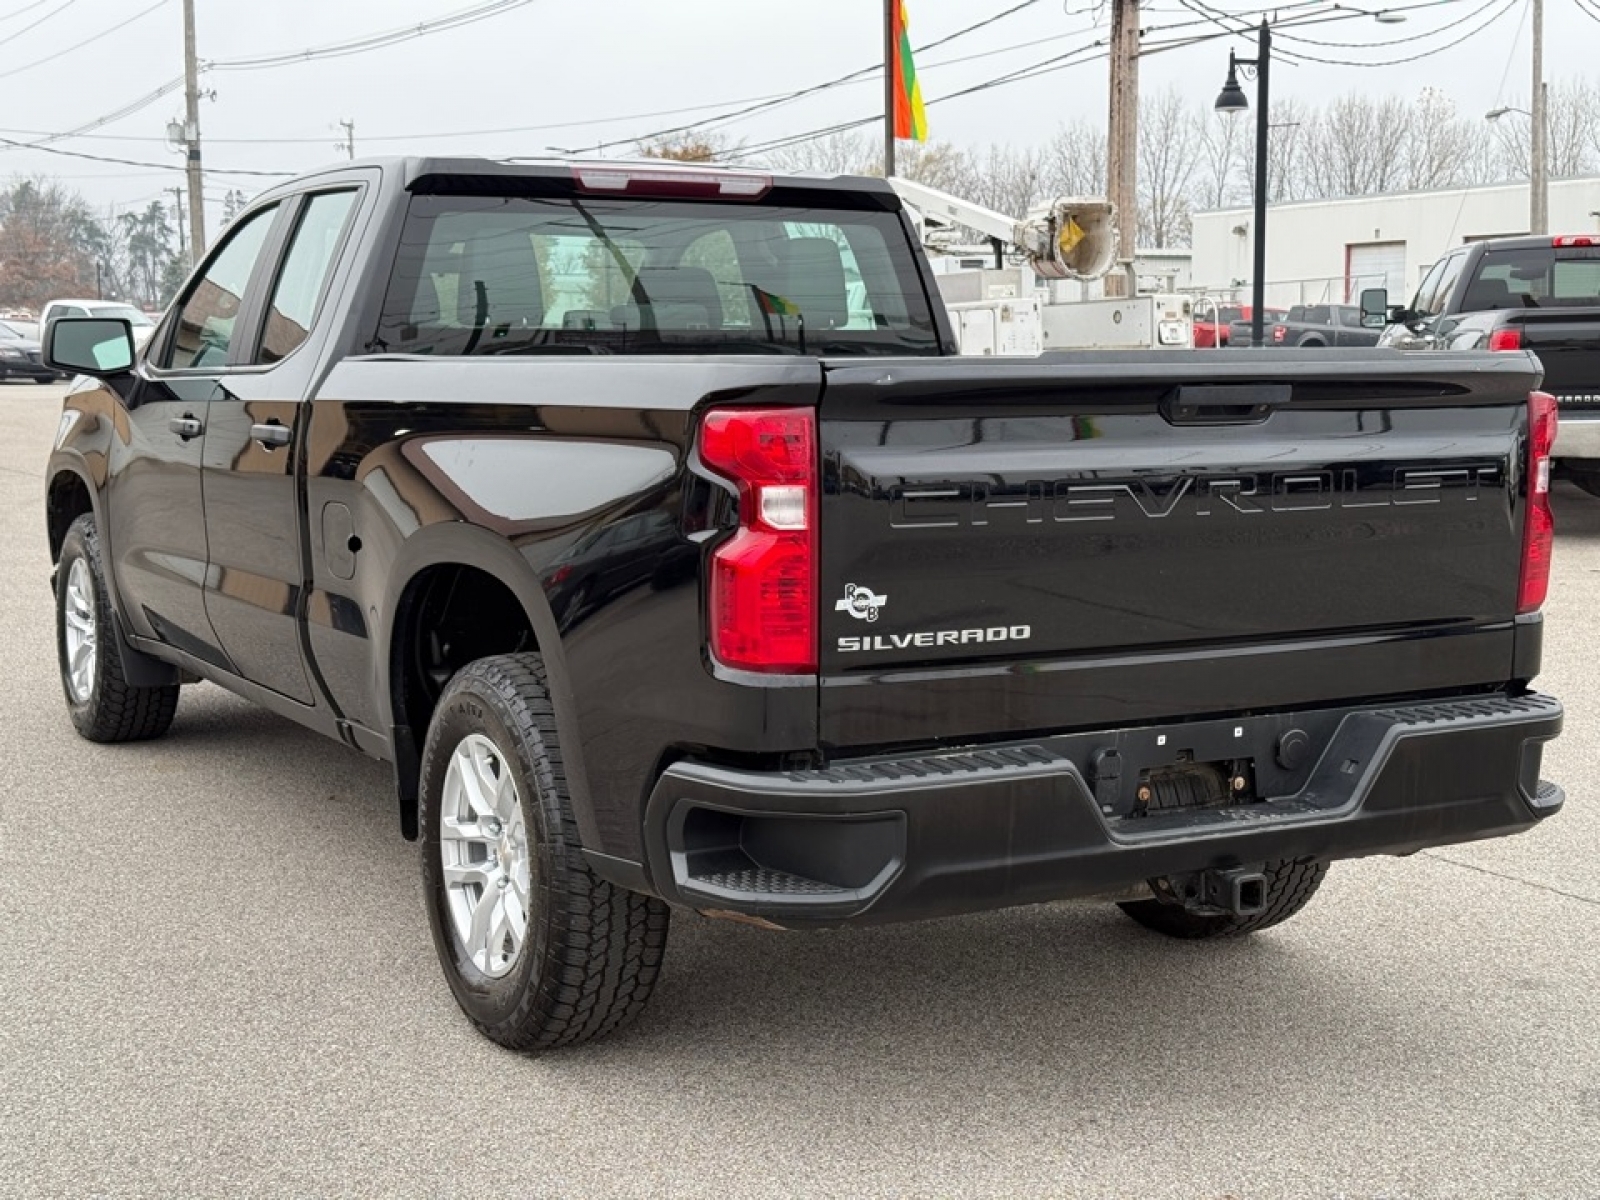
(1326, 251)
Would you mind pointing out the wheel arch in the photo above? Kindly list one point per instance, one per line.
(444, 573)
(68, 496)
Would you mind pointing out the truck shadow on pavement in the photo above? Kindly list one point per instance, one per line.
(1003, 1008)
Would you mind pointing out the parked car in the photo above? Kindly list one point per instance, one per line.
(1239, 331)
(143, 326)
(1217, 327)
(1538, 295)
(1317, 325)
(921, 634)
(20, 357)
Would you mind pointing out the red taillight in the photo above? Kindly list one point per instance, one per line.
(1574, 240)
(1539, 530)
(763, 610)
(1279, 333)
(1505, 339)
(673, 182)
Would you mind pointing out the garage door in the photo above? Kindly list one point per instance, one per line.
(1375, 264)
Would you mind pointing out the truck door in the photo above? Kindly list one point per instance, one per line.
(157, 532)
(255, 582)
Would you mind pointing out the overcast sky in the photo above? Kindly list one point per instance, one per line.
(572, 74)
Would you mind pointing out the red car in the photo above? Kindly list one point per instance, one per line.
(1213, 330)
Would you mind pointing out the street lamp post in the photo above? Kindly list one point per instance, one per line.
(1539, 159)
(1232, 100)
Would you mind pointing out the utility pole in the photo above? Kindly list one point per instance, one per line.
(1539, 169)
(1122, 136)
(191, 134)
(891, 39)
(349, 145)
(178, 214)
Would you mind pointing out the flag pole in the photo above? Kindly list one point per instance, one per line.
(891, 39)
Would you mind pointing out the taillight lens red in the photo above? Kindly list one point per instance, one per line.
(1539, 529)
(1561, 243)
(1279, 333)
(763, 585)
(1505, 339)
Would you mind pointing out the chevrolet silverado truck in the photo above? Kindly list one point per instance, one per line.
(1526, 294)
(644, 519)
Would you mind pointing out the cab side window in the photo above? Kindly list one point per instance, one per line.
(305, 273)
(210, 311)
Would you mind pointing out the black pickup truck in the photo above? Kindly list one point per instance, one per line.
(1313, 327)
(644, 519)
(1536, 294)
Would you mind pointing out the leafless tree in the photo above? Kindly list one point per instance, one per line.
(1357, 146)
(1169, 154)
(1218, 181)
(1075, 160)
(838, 154)
(1009, 180)
(1439, 149)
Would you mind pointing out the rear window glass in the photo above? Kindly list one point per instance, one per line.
(578, 275)
(1538, 277)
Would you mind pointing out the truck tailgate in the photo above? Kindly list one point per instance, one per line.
(1567, 341)
(1015, 548)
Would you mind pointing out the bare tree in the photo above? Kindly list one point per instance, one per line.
(1075, 160)
(1169, 153)
(1439, 148)
(1291, 132)
(1217, 178)
(1356, 146)
(838, 154)
(1010, 181)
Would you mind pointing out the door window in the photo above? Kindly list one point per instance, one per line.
(211, 309)
(305, 273)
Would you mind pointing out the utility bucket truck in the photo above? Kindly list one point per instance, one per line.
(1000, 310)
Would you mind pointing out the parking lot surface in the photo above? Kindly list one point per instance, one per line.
(216, 979)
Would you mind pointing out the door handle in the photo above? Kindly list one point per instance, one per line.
(186, 426)
(272, 434)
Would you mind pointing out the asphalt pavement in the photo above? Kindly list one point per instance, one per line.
(216, 979)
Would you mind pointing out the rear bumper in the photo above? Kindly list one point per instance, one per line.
(893, 839)
(1578, 435)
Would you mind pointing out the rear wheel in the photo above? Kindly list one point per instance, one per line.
(1290, 885)
(104, 706)
(539, 951)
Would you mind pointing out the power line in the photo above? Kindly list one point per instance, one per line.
(861, 73)
(375, 41)
(55, 12)
(86, 41)
(128, 162)
(12, 16)
(1399, 41)
(1429, 53)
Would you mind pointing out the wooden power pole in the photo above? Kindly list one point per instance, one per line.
(191, 135)
(891, 85)
(1122, 136)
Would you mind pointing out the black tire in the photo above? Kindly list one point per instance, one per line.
(592, 951)
(1290, 885)
(112, 710)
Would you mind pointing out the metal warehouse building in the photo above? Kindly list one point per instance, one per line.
(1326, 251)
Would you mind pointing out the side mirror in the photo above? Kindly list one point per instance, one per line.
(1375, 308)
(100, 346)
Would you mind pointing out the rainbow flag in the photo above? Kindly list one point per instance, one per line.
(910, 115)
(775, 306)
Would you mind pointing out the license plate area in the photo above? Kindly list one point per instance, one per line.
(1156, 772)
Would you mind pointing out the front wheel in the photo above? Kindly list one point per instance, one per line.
(1291, 883)
(539, 951)
(103, 705)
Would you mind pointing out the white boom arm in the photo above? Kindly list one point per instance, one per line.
(1070, 238)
